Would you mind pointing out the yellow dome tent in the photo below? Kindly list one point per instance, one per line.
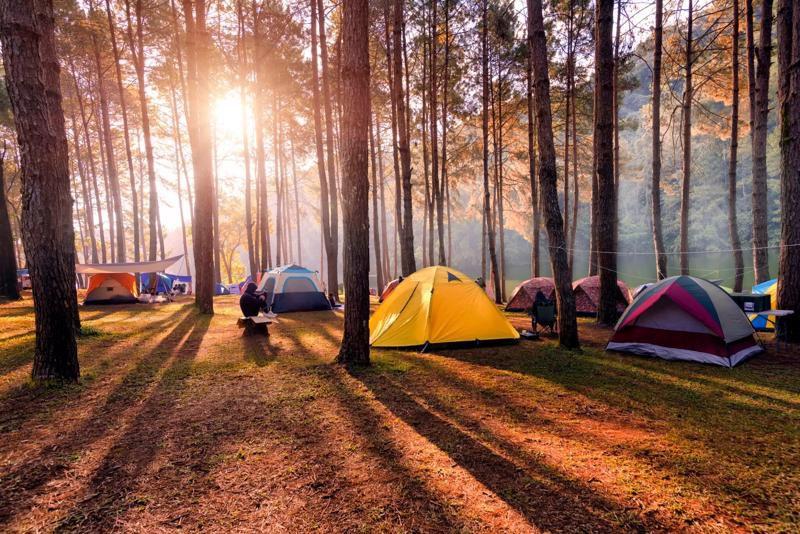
(437, 305)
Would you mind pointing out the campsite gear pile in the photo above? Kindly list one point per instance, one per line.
(115, 283)
(770, 289)
(438, 305)
(686, 318)
(293, 288)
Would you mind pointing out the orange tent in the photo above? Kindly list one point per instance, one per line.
(111, 288)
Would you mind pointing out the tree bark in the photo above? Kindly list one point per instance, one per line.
(567, 322)
(759, 138)
(688, 95)
(733, 226)
(604, 146)
(198, 45)
(409, 264)
(788, 30)
(355, 185)
(31, 67)
(8, 259)
(655, 192)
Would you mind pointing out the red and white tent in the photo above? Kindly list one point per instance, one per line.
(686, 318)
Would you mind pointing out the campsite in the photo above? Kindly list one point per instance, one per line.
(400, 266)
(199, 428)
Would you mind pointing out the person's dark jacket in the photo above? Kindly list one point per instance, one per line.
(250, 302)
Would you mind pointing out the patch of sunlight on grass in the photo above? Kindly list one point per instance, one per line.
(389, 362)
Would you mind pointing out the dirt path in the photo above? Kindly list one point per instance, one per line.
(179, 422)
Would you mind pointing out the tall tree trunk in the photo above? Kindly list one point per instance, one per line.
(398, 195)
(324, 190)
(279, 212)
(567, 321)
(355, 184)
(376, 227)
(409, 264)
(136, 45)
(501, 218)
(124, 108)
(733, 227)
(535, 212)
(215, 200)
(111, 159)
(567, 105)
(298, 233)
(87, 203)
(262, 211)
(381, 176)
(443, 183)
(248, 199)
(617, 40)
(434, 130)
(576, 188)
(32, 72)
(593, 261)
(178, 164)
(8, 260)
(759, 138)
(604, 126)
(428, 202)
(688, 95)
(109, 203)
(198, 48)
(655, 186)
(332, 246)
(788, 29)
(487, 209)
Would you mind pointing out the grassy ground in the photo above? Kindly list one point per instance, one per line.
(179, 422)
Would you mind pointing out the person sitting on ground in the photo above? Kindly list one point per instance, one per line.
(250, 302)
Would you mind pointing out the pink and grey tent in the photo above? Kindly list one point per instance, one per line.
(523, 295)
(686, 318)
(587, 295)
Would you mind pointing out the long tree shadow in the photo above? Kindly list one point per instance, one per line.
(544, 496)
(418, 500)
(109, 490)
(26, 401)
(18, 484)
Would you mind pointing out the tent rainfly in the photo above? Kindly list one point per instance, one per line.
(438, 305)
(686, 318)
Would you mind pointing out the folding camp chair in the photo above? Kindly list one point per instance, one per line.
(545, 316)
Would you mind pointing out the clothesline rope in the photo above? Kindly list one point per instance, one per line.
(652, 253)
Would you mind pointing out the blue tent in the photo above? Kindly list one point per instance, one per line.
(162, 283)
(770, 287)
(220, 289)
(293, 288)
